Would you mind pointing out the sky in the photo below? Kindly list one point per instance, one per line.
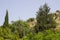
(24, 9)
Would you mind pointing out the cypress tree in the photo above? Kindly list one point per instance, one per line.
(6, 22)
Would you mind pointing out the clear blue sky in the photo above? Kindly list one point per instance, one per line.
(24, 9)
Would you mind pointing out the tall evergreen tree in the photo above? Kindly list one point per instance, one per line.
(44, 19)
(6, 22)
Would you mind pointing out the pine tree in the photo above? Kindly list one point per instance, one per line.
(44, 19)
(6, 22)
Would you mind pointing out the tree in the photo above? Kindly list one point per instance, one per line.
(30, 20)
(21, 27)
(6, 22)
(44, 19)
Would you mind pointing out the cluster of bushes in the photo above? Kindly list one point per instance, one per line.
(14, 31)
(45, 35)
(20, 30)
(6, 33)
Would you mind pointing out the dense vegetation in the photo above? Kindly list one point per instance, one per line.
(20, 30)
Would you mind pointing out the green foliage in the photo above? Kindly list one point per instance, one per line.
(6, 22)
(29, 37)
(30, 20)
(46, 35)
(5, 33)
(44, 19)
(21, 27)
